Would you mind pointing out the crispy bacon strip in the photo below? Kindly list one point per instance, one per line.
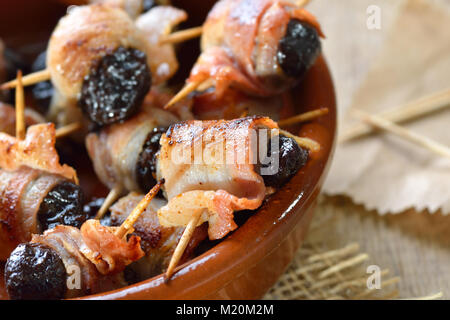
(36, 151)
(154, 24)
(208, 167)
(216, 63)
(106, 251)
(132, 7)
(12, 187)
(215, 207)
(271, 29)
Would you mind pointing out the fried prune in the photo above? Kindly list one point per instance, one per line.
(146, 164)
(290, 157)
(299, 48)
(35, 272)
(62, 205)
(116, 86)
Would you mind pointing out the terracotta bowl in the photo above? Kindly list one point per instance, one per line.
(249, 261)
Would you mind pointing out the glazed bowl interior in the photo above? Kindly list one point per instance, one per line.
(248, 262)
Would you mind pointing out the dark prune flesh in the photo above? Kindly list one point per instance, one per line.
(291, 158)
(114, 89)
(299, 48)
(146, 164)
(63, 205)
(35, 272)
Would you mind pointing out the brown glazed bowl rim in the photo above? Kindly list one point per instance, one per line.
(267, 228)
(263, 232)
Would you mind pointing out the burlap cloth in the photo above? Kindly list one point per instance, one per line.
(412, 248)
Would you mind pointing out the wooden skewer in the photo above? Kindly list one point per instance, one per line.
(67, 130)
(404, 133)
(208, 83)
(181, 36)
(181, 246)
(112, 196)
(183, 93)
(303, 142)
(410, 111)
(127, 225)
(20, 108)
(20, 114)
(29, 79)
(302, 3)
(307, 116)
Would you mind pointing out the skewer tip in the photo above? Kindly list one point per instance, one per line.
(181, 246)
(304, 117)
(303, 142)
(181, 36)
(183, 93)
(127, 226)
(67, 130)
